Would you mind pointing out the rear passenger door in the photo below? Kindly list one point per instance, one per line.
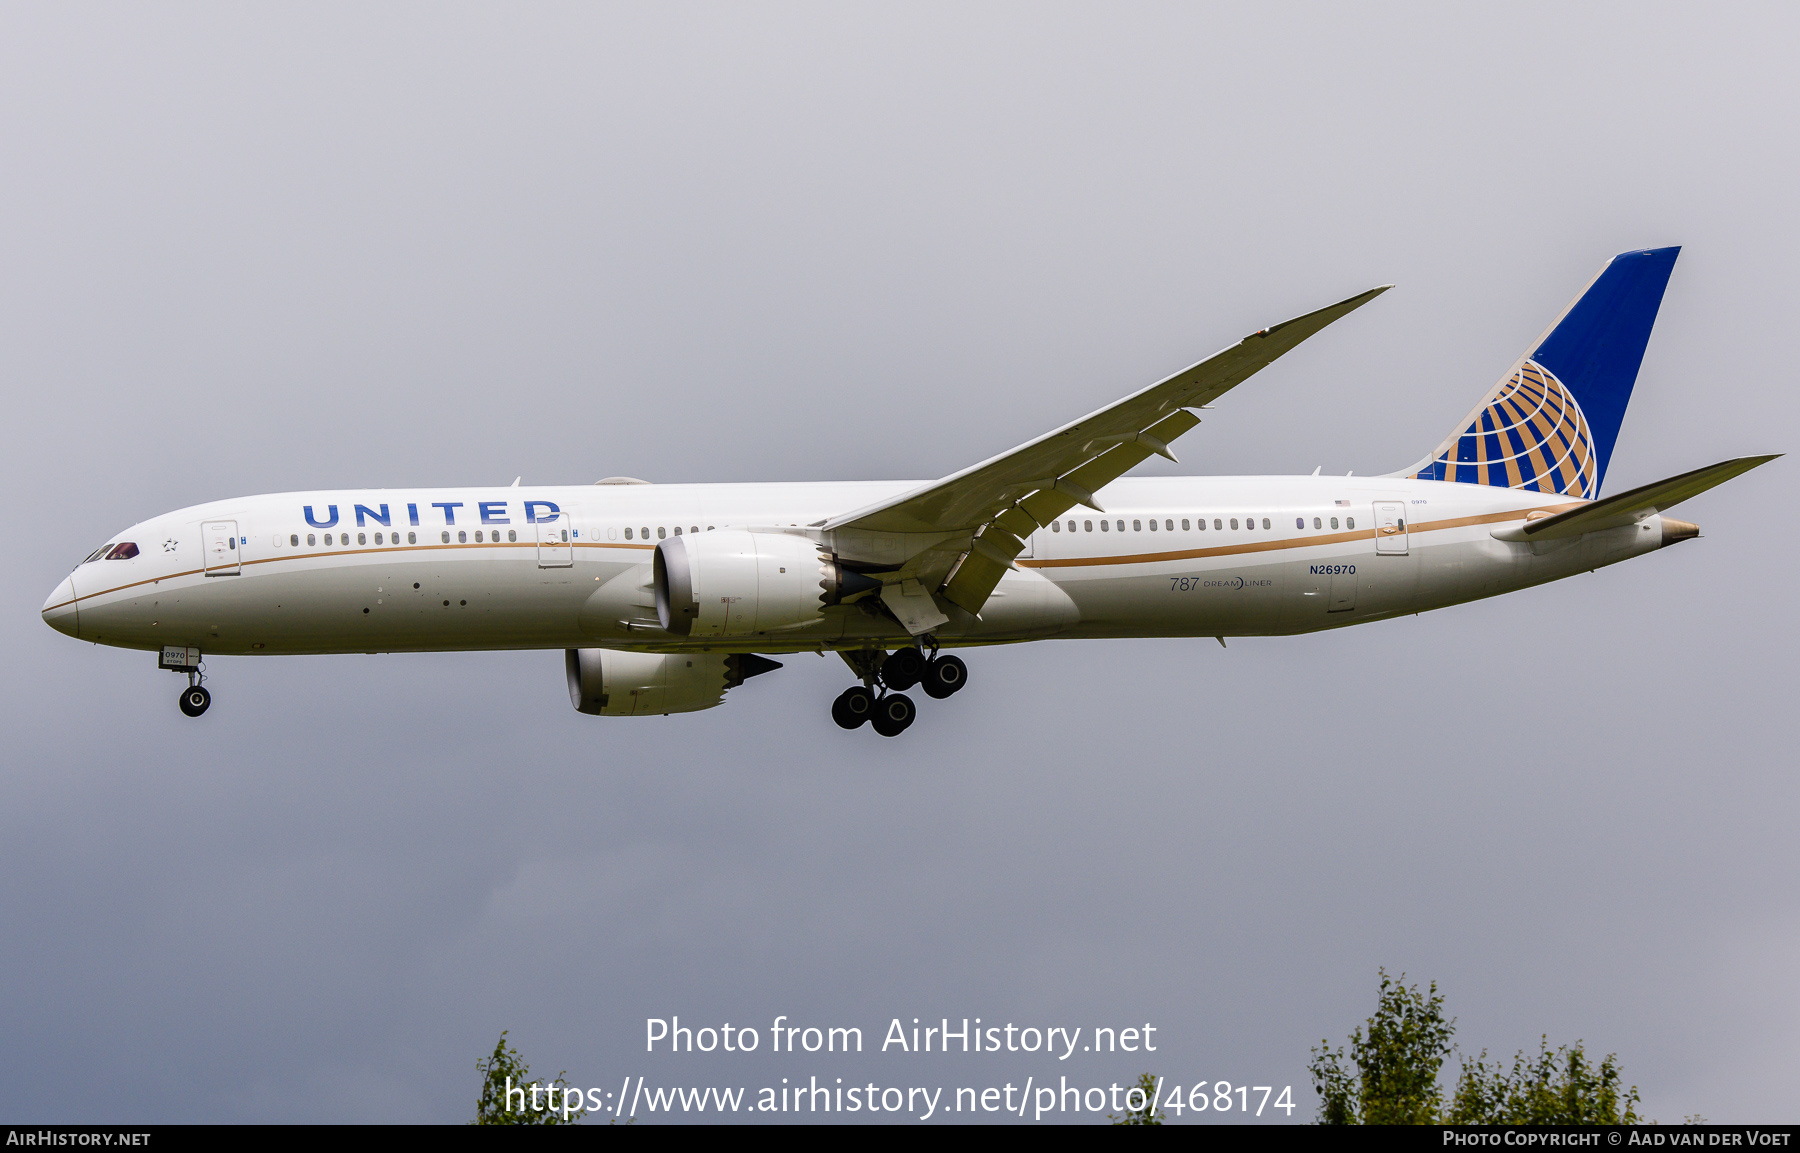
(1390, 528)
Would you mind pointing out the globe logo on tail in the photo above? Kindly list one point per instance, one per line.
(1531, 435)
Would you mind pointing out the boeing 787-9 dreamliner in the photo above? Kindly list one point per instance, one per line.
(665, 596)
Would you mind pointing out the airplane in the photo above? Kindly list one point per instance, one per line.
(663, 597)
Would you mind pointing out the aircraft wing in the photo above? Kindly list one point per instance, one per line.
(1009, 496)
(1630, 507)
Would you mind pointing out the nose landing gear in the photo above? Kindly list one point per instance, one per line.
(194, 699)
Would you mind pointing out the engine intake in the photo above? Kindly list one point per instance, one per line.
(738, 583)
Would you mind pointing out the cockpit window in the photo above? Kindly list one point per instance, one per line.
(122, 551)
(98, 553)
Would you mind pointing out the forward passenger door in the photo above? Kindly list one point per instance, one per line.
(219, 548)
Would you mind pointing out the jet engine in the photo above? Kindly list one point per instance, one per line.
(610, 683)
(737, 583)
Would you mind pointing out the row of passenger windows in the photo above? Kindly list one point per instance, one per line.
(343, 538)
(1198, 524)
(462, 537)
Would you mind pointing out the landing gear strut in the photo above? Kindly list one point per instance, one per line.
(890, 711)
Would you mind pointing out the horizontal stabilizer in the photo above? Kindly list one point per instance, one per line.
(1628, 508)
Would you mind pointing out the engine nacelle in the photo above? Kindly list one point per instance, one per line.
(736, 583)
(610, 683)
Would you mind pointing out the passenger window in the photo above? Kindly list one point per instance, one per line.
(1056, 526)
(660, 533)
(1168, 525)
(1090, 525)
(693, 528)
(477, 536)
(1136, 526)
(1184, 524)
(1299, 522)
(627, 534)
(1121, 526)
(1216, 523)
(462, 538)
(565, 534)
(377, 538)
(1349, 522)
(512, 535)
(412, 538)
(677, 530)
(362, 538)
(311, 540)
(1106, 526)
(1234, 522)
(1334, 522)
(294, 540)
(1265, 522)
(446, 536)
(1316, 522)
(644, 532)
(709, 528)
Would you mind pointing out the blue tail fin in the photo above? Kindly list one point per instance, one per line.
(1550, 424)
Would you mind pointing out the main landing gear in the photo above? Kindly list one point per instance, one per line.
(891, 711)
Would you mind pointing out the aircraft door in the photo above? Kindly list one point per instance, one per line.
(1390, 528)
(219, 551)
(554, 548)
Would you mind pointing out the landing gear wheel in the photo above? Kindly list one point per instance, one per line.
(944, 676)
(893, 713)
(853, 706)
(902, 669)
(194, 700)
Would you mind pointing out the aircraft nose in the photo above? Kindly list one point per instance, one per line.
(59, 608)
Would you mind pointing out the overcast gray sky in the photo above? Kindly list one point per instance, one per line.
(255, 249)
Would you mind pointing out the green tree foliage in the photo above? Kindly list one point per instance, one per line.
(510, 1097)
(1146, 1115)
(1390, 1076)
(1393, 1078)
(1560, 1088)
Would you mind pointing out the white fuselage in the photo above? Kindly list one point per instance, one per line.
(476, 568)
